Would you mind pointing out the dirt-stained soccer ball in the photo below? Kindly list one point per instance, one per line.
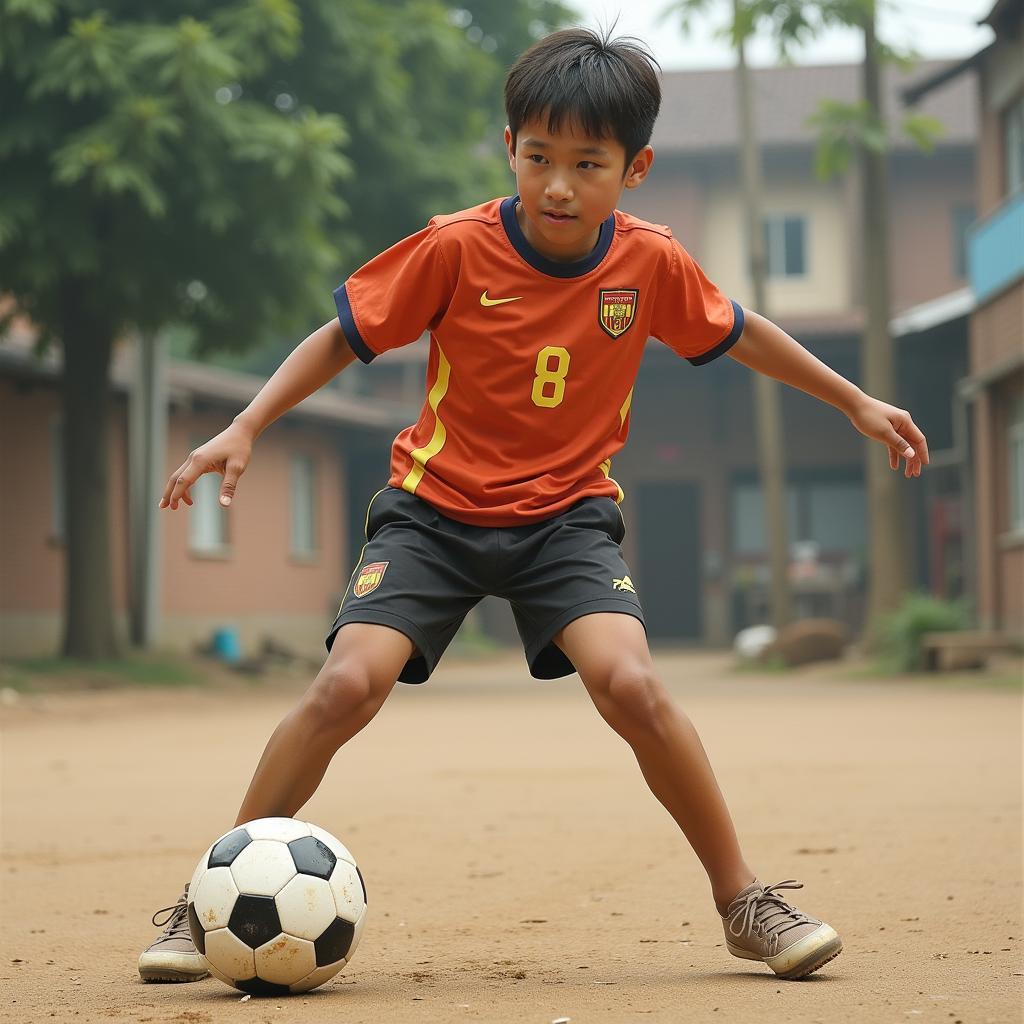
(276, 906)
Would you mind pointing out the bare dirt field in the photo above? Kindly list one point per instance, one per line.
(518, 868)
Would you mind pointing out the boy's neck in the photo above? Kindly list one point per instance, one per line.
(580, 252)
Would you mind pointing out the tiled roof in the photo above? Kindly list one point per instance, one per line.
(190, 380)
(698, 111)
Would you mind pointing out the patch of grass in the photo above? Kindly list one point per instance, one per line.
(1000, 677)
(471, 642)
(900, 631)
(133, 669)
(772, 665)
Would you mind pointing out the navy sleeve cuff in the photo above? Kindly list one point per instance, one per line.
(348, 325)
(726, 343)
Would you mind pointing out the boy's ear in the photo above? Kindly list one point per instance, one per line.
(510, 147)
(638, 167)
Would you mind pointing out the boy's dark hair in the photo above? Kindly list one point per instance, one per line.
(609, 87)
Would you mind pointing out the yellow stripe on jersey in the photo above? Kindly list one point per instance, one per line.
(624, 411)
(421, 456)
(606, 468)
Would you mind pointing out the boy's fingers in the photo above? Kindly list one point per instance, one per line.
(902, 448)
(894, 459)
(913, 434)
(232, 471)
(165, 500)
(187, 476)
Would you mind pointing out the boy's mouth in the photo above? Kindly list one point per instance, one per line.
(557, 216)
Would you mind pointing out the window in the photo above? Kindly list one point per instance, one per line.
(207, 520)
(1013, 144)
(963, 217)
(749, 536)
(57, 478)
(1015, 447)
(785, 245)
(303, 506)
(830, 513)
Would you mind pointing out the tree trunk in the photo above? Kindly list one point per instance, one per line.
(888, 566)
(770, 444)
(85, 393)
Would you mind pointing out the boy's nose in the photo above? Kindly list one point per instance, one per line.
(558, 189)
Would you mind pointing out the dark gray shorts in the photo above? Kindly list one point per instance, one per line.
(421, 572)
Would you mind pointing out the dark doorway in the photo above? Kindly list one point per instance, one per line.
(669, 574)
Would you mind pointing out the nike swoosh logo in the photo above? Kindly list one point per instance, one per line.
(484, 301)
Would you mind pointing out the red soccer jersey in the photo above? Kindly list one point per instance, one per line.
(532, 362)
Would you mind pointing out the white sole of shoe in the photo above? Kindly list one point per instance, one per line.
(172, 967)
(802, 958)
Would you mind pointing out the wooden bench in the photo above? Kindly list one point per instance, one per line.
(959, 649)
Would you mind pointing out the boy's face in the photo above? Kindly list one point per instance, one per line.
(568, 184)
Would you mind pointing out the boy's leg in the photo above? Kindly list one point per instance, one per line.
(356, 679)
(609, 650)
(611, 655)
(359, 673)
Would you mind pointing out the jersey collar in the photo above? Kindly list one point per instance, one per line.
(554, 268)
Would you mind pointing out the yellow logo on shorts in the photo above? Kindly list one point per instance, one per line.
(624, 584)
(369, 578)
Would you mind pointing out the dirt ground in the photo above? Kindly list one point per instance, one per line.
(518, 868)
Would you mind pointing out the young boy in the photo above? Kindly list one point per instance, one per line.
(538, 307)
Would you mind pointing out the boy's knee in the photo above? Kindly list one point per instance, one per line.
(344, 691)
(630, 696)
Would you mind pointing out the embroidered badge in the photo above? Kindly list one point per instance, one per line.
(369, 578)
(616, 310)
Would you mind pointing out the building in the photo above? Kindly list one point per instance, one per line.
(272, 567)
(275, 565)
(692, 445)
(994, 385)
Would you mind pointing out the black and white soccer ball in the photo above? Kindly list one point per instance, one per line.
(276, 906)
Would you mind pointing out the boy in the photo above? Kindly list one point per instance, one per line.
(539, 307)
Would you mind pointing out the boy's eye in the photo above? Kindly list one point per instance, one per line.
(587, 164)
(535, 157)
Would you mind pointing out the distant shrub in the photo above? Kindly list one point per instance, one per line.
(901, 631)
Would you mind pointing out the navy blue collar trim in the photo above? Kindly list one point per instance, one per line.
(554, 268)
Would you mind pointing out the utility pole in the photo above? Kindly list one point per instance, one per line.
(770, 445)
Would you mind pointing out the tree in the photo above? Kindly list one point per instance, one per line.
(860, 129)
(770, 434)
(164, 163)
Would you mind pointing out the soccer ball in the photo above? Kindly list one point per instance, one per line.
(276, 906)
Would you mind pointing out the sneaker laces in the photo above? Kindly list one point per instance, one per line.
(176, 924)
(765, 913)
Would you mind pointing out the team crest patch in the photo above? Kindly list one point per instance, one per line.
(616, 311)
(369, 578)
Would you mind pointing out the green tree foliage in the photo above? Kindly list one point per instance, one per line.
(219, 165)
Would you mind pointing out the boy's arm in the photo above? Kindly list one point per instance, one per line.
(311, 364)
(769, 350)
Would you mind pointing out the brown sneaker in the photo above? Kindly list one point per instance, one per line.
(173, 957)
(759, 925)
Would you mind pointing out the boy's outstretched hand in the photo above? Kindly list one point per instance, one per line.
(896, 430)
(228, 454)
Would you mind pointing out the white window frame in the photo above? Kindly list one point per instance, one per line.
(58, 505)
(208, 522)
(304, 535)
(1013, 146)
(1015, 452)
(777, 260)
(962, 216)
